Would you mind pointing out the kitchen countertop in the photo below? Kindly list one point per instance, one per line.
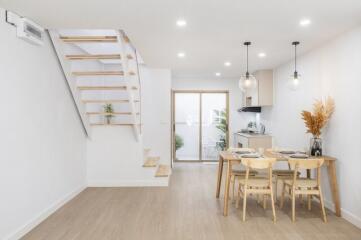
(252, 135)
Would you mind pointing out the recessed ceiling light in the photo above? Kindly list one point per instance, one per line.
(181, 23)
(261, 55)
(227, 64)
(218, 74)
(305, 22)
(181, 54)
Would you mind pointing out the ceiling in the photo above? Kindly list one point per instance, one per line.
(215, 28)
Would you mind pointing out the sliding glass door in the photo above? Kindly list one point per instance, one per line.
(200, 125)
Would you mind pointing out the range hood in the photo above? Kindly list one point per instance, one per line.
(250, 109)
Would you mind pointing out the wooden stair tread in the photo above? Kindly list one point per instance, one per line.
(105, 87)
(107, 101)
(89, 38)
(102, 73)
(151, 162)
(162, 171)
(113, 124)
(98, 73)
(113, 114)
(146, 152)
(92, 56)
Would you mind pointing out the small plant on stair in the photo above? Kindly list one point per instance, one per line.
(108, 108)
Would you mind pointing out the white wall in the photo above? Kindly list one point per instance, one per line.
(156, 111)
(237, 120)
(115, 158)
(42, 140)
(334, 70)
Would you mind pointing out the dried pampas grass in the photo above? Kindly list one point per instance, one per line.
(322, 112)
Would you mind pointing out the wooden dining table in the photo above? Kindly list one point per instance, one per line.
(232, 159)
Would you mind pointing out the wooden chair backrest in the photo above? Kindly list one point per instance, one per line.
(259, 163)
(231, 149)
(306, 163)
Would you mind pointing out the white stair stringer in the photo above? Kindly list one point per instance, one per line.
(115, 154)
(136, 126)
(54, 36)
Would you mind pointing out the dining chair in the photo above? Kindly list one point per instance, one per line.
(280, 175)
(257, 185)
(238, 173)
(304, 186)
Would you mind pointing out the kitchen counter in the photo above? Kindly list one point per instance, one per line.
(252, 135)
(252, 140)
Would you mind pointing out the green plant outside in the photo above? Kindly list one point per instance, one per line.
(178, 142)
(221, 120)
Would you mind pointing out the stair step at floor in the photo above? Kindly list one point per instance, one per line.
(151, 162)
(163, 171)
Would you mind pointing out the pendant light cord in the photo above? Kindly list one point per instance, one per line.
(295, 58)
(247, 58)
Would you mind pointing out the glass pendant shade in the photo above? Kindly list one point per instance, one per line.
(294, 82)
(247, 81)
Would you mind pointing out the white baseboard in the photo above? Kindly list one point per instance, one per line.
(156, 182)
(43, 215)
(352, 218)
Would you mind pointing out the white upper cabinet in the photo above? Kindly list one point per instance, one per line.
(262, 95)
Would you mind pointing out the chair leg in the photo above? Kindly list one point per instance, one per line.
(283, 194)
(293, 205)
(309, 199)
(273, 206)
(233, 181)
(264, 201)
(238, 197)
(276, 184)
(244, 204)
(322, 206)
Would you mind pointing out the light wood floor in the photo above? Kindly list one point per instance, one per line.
(186, 210)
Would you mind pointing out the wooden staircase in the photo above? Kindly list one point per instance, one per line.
(104, 70)
(101, 67)
(162, 170)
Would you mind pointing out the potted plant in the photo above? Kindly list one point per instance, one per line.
(108, 109)
(316, 120)
(221, 124)
(178, 142)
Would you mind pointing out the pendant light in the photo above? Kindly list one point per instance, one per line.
(294, 82)
(247, 81)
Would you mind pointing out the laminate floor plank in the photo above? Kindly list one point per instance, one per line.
(186, 210)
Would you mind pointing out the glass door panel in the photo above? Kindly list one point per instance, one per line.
(214, 125)
(186, 126)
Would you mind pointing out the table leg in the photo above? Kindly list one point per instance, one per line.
(226, 191)
(219, 177)
(334, 187)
